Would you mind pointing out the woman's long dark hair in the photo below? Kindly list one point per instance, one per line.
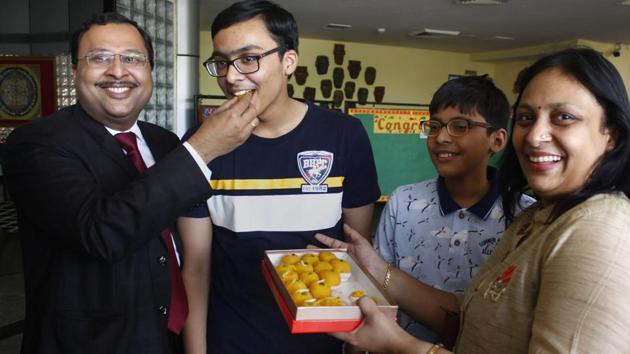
(612, 172)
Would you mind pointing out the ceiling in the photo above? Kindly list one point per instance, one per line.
(513, 24)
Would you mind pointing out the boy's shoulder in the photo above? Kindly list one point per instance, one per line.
(426, 187)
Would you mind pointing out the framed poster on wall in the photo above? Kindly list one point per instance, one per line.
(204, 111)
(27, 89)
(205, 105)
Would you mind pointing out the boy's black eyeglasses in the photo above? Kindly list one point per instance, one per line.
(454, 127)
(246, 64)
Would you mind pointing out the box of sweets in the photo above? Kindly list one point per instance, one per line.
(317, 289)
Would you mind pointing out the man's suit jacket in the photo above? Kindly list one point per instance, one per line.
(95, 267)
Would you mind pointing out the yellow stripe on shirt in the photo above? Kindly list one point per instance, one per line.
(268, 184)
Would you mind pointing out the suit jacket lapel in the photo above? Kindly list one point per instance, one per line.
(105, 140)
(158, 150)
(111, 147)
(153, 141)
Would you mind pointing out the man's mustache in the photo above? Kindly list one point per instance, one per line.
(116, 83)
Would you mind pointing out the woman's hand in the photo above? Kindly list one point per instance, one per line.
(360, 249)
(378, 332)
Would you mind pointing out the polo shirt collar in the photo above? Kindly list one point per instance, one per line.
(481, 208)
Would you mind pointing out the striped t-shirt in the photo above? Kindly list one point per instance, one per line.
(276, 194)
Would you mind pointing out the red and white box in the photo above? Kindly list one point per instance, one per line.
(323, 319)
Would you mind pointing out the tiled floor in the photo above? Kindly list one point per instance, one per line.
(11, 312)
(11, 345)
(8, 217)
(11, 283)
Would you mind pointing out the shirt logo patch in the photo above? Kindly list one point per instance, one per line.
(315, 166)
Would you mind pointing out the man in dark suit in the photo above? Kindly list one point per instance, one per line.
(97, 250)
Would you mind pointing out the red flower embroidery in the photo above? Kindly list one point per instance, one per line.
(499, 285)
(506, 276)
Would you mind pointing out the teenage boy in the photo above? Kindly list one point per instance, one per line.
(441, 230)
(303, 170)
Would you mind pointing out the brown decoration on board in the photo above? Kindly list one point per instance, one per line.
(309, 93)
(354, 68)
(321, 64)
(379, 93)
(338, 76)
(370, 75)
(326, 87)
(349, 89)
(339, 52)
(301, 73)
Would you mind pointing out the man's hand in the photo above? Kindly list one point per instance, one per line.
(226, 128)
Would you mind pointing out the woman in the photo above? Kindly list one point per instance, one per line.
(559, 279)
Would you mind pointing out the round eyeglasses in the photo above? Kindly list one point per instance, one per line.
(454, 127)
(247, 64)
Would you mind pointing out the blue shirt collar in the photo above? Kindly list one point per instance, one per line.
(481, 208)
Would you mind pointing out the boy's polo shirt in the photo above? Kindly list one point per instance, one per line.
(425, 233)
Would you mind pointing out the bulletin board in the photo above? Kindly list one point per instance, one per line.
(400, 152)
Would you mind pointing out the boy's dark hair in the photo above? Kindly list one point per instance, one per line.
(104, 19)
(473, 94)
(602, 80)
(279, 22)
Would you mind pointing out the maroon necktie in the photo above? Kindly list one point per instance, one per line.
(178, 308)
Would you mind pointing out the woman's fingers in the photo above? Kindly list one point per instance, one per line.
(368, 306)
(330, 242)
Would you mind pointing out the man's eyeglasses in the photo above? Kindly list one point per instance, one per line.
(454, 127)
(246, 64)
(104, 60)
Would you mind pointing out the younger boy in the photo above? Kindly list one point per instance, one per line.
(441, 230)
